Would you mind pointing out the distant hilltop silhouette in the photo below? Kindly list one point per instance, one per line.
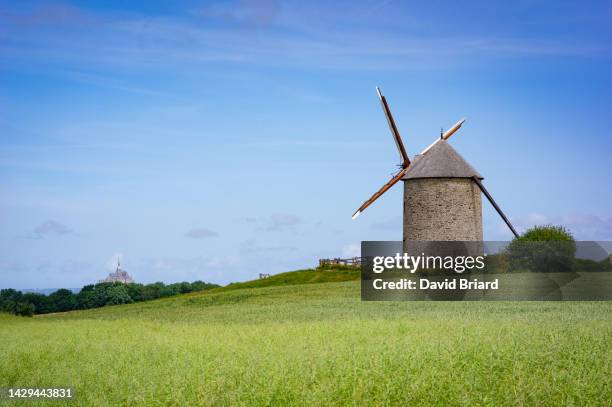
(118, 276)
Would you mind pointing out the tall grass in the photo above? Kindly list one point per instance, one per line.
(316, 344)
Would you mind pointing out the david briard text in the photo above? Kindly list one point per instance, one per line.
(429, 284)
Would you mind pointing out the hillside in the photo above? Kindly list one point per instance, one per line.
(329, 274)
(261, 343)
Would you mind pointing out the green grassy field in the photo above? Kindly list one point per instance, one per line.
(269, 343)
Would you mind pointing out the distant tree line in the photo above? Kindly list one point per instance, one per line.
(91, 296)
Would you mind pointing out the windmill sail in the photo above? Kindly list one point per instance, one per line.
(402, 151)
(396, 136)
(497, 208)
(446, 135)
(381, 191)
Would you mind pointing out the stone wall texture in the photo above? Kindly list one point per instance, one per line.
(442, 209)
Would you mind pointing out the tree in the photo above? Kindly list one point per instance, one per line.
(201, 285)
(42, 303)
(172, 289)
(153, 291)
(166, 290)
(24, 309)
(64, 300)
(9, 298)
(118, 294)
(8, 306)
(543, 249)
(180, 288)
(136, 292)
(89, 287)
(10, 294)
(88, 299)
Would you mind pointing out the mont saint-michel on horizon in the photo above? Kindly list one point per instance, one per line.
(118, 276)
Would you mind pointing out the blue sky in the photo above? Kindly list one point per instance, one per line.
(217, 140)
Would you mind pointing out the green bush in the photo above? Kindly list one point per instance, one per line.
(25, 309)
(118, 294)
(43, 304)
(9, 299)
(497, 263)
(543, 249)
(547, 233)
(592, 265)
(64, 300)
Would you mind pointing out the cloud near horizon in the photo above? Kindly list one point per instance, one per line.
(252, 246)
(200, 233)
(582, 226)
(49, 228)
(282, 221)
(277, 222)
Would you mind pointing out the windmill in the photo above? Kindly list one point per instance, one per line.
(441, 190)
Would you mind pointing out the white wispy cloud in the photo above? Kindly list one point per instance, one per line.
(252, 246)
(582, 225)
(219, 269)
(276, 222)
(271, 36)
(282, 221)
(200, 233)
(50, 228)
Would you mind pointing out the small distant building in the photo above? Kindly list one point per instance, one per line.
(118, 276)
(353, 261)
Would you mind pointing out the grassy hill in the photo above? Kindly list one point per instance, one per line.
(312, 342)
(329, 274)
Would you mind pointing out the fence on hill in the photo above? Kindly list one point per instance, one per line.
(353, 261)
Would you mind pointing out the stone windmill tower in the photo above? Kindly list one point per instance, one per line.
(442, 200)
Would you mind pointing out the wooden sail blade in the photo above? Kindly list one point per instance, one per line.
(394, 132)
(453, 129)
(497, 208)
(381, 191)
(446, 135)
